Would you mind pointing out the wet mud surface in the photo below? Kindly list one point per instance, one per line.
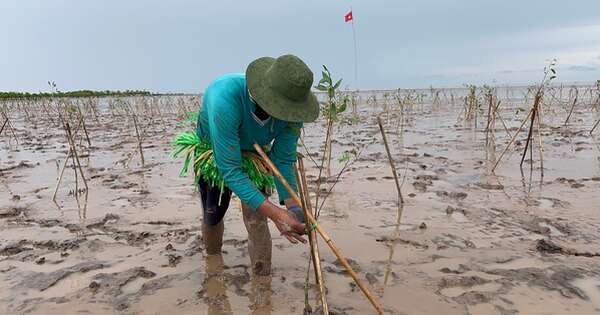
(470, 241)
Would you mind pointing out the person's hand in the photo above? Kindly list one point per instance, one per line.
(289, 226)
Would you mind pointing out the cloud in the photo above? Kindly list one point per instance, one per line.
(582, 68)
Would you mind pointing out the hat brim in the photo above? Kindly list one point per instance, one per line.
(274, 103)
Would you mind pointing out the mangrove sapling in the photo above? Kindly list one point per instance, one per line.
(596, 97)
(572, 107)
(138, 136)
(532, 116)
(313, 224)
(72, 153)
(491, 115)
(308, 153)
(491, 99)
(8, 126)
(348, 161)
(3, 125)
(336, 104)
(472, 104)
(82, 122)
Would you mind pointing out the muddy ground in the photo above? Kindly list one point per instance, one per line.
(470, 241)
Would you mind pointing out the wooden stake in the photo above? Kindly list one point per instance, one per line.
(571, 110)
(326, 238)
(541, 145)
(60, 176)
(3, 125)
(82, 121)
(595, 125)
(312, 236)
(10, 126)
(74, 151)
(139, 138)
(390, 159)
(512, 140)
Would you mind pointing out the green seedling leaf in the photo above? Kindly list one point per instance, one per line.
(345, 157)
(343, 106)
(337, 84)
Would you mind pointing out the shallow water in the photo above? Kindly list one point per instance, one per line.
(477, 252)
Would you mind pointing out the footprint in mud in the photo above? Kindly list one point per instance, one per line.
(452, 195)
(468, 290)
(557, 278)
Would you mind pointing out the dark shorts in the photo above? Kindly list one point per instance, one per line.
(214, 202)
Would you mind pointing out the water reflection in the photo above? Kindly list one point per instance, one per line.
(214, 285)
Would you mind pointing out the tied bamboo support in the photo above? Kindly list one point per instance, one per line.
(312, 235)
(321, 232)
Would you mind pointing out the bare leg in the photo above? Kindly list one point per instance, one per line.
(259, 241)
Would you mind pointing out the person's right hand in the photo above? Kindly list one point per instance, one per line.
(285, 221)
(289, 226)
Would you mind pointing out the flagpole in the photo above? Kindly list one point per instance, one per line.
(355, 51)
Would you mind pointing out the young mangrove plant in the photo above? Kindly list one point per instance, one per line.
(534, 119)
(336, 104)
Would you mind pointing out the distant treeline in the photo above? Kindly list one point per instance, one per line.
(78, 93)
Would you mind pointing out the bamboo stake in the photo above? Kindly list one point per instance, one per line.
(321, 232)
(390, 159)
(571, 111)
(489, 120)
(312, 236)
(512, 140)
(74, 149)
(3, 125)
(595, 125)
(541, 146)
(139, 138)
(60, 176)
(10, 126)
(530, 133)
(501, 120)
(82, 121)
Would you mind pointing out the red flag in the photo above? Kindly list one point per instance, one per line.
(348, 17)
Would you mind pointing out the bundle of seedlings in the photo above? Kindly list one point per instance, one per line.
(199, 153)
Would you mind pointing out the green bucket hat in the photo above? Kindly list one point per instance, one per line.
(282, 88)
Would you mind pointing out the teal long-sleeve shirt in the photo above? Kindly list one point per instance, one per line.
(228, 122)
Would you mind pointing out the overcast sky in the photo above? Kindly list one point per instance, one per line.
(181, 45)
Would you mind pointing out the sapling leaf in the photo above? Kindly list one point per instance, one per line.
(343, 106)
(345, 157)
(331, 93)
(337, 84)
